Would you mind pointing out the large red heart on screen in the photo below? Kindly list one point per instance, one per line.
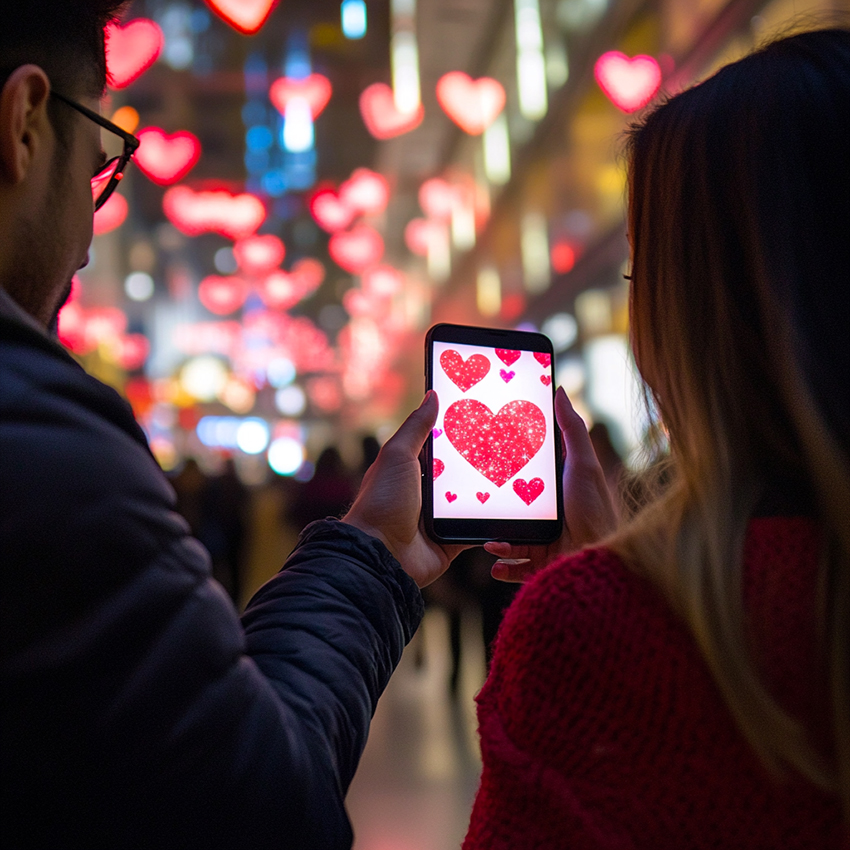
(222, 295)
(329, 211)
(499, 445)
(464, 373)
(508, 355)
(257, 254)
(381, 116)
(629, 83)
(245, 16)
(365, 191)
(131, 50)
(472, 104)
(315, 89)
(166, 158)
(218, 211)
(357, 249)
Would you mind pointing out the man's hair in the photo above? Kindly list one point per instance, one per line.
(64, 37)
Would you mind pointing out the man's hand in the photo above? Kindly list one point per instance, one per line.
(389, 504)
(589, 513)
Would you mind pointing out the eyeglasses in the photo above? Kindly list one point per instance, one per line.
(109, 176)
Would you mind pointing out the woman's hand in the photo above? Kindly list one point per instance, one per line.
(589, 512)
(389, 504)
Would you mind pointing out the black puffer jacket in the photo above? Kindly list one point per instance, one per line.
(135, 709)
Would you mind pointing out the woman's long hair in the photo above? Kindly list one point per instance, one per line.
(739, 220)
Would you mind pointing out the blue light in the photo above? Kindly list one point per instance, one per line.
(259, 138)
(256, 161)
(274, 183)
(300, 169)
(353, 14)
(254, 112)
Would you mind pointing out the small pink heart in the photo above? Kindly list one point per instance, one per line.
(450, 496)
(506, 376)
(507, 355)
(482, 497)
(436, 432)
(439, 466)
(545, 380)
(542, 358)
(528, 491)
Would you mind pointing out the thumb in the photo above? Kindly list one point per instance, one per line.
(413, 432)
(576, 437)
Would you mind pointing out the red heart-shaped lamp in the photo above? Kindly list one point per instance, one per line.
(222, 295)
(380, 115)
(131, 50)
(166, 158)
(421, 233)
(281, 290)
(365, 191)
(629, 83)
(438, 198)
(329, 211)
(382, 281)
(245, 16)
(357, 249)
(472, 104)
(131, 351)
(258, 254)
(111, 214)
(315, 89)
(218, 211)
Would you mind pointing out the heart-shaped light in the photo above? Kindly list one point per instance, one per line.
(365, 192)
(357, 303)
(131, 50)
(245, 16)
(472, 104)
(258, 254)
(438, 198)
(382, 281)
(111, 214)
(357, 249)
(380, 115)
(166, 158)
(103, 324)
(630, 83)
(422, 233)
(131, 351)
(281, 290)
(315, 89)
(222, 295)
(217, 211)
(329, 211)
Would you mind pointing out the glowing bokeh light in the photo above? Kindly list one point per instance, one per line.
(252, 436)
(286, 455)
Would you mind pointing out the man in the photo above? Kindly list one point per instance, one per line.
(137, 711)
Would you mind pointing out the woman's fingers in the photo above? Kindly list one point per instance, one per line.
(514, 570)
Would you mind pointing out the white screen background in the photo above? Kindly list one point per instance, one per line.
(459, 477)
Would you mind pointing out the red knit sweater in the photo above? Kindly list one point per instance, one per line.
(601, 726)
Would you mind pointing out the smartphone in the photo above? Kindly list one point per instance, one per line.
(492, 464)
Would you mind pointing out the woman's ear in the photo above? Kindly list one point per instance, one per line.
(24, 123)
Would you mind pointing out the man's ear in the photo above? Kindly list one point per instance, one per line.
(24, 123)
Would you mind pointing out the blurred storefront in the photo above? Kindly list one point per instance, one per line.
(312, 195)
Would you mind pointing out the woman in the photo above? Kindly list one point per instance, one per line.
(687, 684)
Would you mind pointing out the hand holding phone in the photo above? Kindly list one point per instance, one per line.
(492, 462)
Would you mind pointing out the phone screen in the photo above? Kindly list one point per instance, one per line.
(494, 461)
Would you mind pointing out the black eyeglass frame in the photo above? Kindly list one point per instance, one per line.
(131, 143)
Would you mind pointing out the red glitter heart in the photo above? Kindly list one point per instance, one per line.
(439, 466)
(528, 491)
(545, 380)
(507, 355)
(497, 446)
(542, 358)
(482, 497)
(450, 496)
(506, 376)
(464, 374)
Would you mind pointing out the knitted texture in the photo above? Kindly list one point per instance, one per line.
(601, 726)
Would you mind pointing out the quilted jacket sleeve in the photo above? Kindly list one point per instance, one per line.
(137, 711)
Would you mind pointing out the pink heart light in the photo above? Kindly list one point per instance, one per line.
(472, 104)
(329, 211)
(111, 214)
(358, 303)
(166, 158)
(217, 211)
(382, 281)
(258, 254)
(438, 198)
(421, 233)
(281, 290)
(357, 249)
(222, 295)
(365, 192)
(131, 351)
(131, 50)
(629, 83)
(245, 16)
(315, 89)
(380, 115)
